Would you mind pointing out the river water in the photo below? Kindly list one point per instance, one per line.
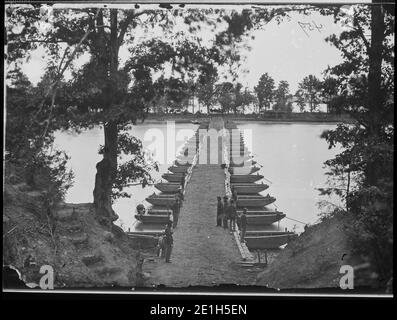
(83, 151)
(292, 156)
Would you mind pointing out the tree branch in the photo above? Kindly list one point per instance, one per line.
(54, 84)
(88, 31)
(126, 22)
(362, 36)
(124, 26)
(38, 41)
(63, 58)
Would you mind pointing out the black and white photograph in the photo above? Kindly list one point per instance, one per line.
(214, 148)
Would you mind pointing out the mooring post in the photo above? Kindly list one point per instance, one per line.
(266, 257)
(259, 256)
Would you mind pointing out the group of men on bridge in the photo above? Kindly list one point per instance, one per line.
(228, 217)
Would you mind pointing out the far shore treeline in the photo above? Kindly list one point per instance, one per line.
(103, 92)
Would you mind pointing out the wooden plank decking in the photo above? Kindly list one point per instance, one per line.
(203, 254)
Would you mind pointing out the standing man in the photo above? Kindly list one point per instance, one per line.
(197, 142)
(234, 195)
(168, 242)
(232, 216)
(175, 211)
(183, 181)
(243, 224)
(170, 214)
(225, 212)
(219, 212)
(161, 246)
(180, 195)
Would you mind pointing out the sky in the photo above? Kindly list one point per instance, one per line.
(287, 51)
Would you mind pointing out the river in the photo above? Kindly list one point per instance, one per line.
(292, 156)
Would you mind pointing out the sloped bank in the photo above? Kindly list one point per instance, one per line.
(314, 259)
(82, 252)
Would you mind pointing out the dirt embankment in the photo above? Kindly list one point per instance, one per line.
(82, 252)
(314, 259)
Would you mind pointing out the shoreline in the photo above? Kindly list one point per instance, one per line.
(270, 118)
(187, 119)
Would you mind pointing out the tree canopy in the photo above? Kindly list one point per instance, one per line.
(310, 89)
(365, 166)
(282, 97)
(265, 91)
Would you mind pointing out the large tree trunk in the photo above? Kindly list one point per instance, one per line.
(106, 172)
(107, 167)
(375, 98)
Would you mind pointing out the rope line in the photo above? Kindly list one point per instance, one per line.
(267, 180)
(296, 220)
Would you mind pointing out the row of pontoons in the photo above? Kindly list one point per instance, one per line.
(244, 178)
(171, 187)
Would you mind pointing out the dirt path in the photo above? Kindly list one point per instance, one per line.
(203, 254)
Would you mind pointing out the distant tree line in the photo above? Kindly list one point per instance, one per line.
(310, 94)
(229, 97)
(215, 97)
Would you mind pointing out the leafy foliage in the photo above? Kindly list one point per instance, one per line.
(245, 98)
(29, 138)
(206, 89)
(329, 93)
(282, 97)
(265, 91)
(136, 169)
(232, 97)
(225, 96)
(362, 83)
(310, 88)
(300, 100)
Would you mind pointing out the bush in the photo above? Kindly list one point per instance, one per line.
(48, 171)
